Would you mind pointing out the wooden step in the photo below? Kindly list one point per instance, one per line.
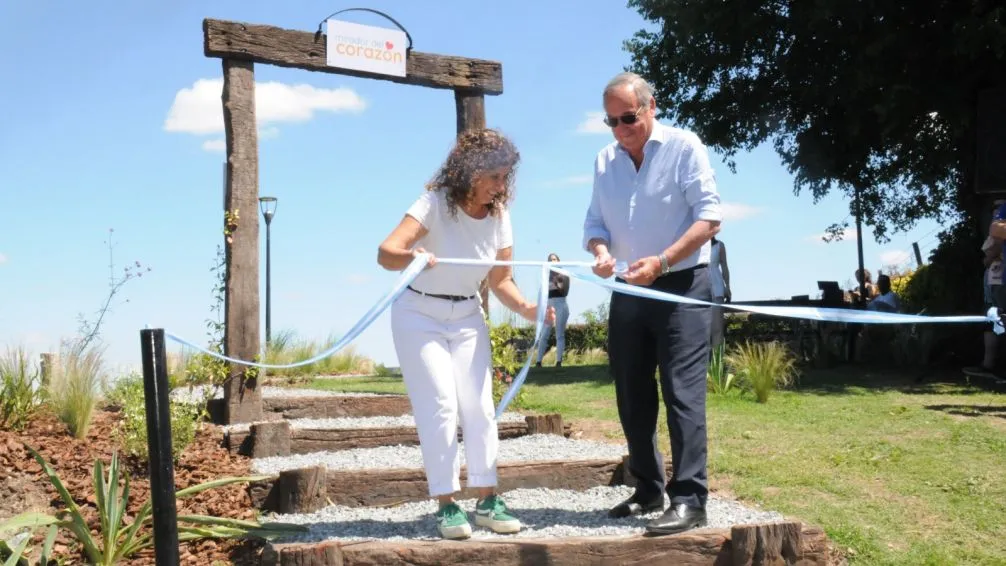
(323, 407)
(361, 488)
(259, 441)
(790, 543)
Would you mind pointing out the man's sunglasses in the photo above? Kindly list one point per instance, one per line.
(628, 118)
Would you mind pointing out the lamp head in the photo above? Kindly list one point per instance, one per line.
(268, 207)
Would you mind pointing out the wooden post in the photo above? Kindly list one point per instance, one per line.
(470, 107)
(45, 367)
(270, 439)
(303, 490)
(242, 397)
(544, 424)
(769, 544)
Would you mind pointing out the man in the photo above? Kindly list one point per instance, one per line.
(886, 299)
(655, 206)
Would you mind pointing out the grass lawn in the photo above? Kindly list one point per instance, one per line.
(896, 472)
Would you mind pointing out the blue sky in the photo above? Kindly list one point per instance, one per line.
(111, 119)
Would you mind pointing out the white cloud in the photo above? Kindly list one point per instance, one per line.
(738, 211)
(593, 123)
(3, 259)
(848, 235)
(894, 257)
(573, 181)
(198, 109)
(217, 145)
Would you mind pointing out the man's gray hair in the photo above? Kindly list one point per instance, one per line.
(643, 90)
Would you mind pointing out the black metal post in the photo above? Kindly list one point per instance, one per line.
(162, 471)
(268, 280)
(859, 246)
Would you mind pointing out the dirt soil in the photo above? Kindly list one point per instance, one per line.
(24, 487)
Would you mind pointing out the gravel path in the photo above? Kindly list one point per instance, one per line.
(198, 393)
(545, 513)
(360, 422)
(526, 448)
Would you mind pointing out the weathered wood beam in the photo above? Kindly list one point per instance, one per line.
(242, 397)
(470, 109)
(307, 50)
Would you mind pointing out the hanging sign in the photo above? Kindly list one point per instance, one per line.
(366, 48)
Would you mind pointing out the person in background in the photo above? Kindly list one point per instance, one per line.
(655, 206)
(992, 285)
(886, 299)
(440, 331)
(558, 289)
(719, 278)
(871, 289)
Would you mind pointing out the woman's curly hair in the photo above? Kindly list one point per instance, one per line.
(474, 153)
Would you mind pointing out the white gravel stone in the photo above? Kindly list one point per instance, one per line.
(199, 392)
(360, 422)
(540, 447)
(544, 513)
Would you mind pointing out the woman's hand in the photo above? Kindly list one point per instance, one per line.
(432, 261)
(531, 313)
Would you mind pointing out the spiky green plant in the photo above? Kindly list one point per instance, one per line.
(20, 389)
(118, 541)
(18, 556)
(763, 367)
(719, 379)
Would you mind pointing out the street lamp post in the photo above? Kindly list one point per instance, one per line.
(268, 206)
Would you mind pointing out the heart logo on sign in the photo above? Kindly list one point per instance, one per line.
(388, 45)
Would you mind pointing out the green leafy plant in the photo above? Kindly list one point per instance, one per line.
(75, 385)
(718, 379)
(19, 555)
(504, 364)
(20, 389)
(763, 367)
(116, 540)
(128, 395)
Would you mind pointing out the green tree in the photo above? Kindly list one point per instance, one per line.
(879, 95)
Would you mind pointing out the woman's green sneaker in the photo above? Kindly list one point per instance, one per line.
(491, 513)
(453, 522)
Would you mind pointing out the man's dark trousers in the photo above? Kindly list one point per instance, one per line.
(646, 334)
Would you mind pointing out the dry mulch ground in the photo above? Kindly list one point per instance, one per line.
(24, 487)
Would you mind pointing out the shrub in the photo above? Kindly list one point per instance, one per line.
(504, 364)
(718, 379)
(74, 386)
(763, 367)
(127, 395)
(20, 390)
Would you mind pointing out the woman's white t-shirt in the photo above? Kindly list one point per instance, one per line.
(458, 236)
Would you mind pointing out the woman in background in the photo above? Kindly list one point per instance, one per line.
(558, 289)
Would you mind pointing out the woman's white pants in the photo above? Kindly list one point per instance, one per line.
(444, 352)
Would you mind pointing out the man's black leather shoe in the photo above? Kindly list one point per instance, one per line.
(631, 507)
(679, 517)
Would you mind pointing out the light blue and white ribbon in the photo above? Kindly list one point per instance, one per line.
(538, 327)
(421, 261)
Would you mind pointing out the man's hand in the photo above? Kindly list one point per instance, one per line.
(643, 272)
(604, 265)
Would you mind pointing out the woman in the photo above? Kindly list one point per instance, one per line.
(558, 289)
(438, 326)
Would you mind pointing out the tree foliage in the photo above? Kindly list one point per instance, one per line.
(875, 94)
